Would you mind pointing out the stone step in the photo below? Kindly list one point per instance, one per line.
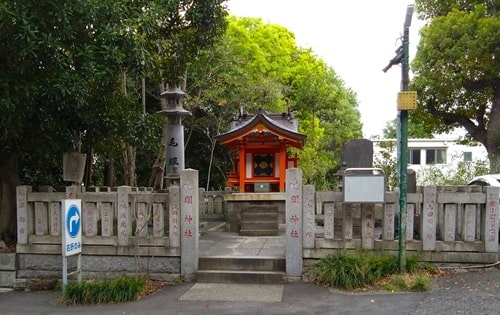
(256, 270)
(259, 216)
(260, 209)
(235, 276)
(259, 225)
(259, 232)
(241, 263)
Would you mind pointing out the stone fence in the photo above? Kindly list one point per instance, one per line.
(130, 230)
(452, 224)
(124, 230)
(444, 224)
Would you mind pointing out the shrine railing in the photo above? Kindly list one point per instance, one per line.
(444, 224)
(122, 220)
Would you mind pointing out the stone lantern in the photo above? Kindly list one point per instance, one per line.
(174, 134)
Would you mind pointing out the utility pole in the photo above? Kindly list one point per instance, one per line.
(406, 100)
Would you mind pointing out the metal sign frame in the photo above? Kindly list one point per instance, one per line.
(364, 185)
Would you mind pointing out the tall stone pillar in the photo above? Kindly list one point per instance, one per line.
(294, 225)
(174, 112)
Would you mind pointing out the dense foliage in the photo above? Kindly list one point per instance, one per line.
(72, 77)
(87, 75)
(258, 65)
(457, 70)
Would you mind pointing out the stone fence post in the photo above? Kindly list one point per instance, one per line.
(491, 220)
(24, 224)
(174, 215)
(429, 218)
(309, 224)
(124, 219)
(189, 224)
(294, 225)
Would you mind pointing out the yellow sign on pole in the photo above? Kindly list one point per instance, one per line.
(407, 100)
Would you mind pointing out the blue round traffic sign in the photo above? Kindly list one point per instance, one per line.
(73, 221)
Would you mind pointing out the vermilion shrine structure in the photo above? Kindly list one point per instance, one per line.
(260, 144)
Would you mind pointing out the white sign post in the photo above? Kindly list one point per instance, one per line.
(72, 235)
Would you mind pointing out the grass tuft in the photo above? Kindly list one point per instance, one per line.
(119, 290)
(355, 270)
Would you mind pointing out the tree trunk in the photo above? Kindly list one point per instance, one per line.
(128, 166)
(9, 180)
(87, 175)
(109, 173)
(493, 133)
(129, 152)
(158, 170)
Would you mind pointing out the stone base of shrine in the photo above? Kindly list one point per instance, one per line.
(262, 213)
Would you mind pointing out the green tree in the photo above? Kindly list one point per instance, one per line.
(457, 71)
(259, 65)
(71, 77)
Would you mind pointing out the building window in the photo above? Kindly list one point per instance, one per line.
(414, 156)
(431, 156)
(263, 165)
(467, 156)
(435, 156)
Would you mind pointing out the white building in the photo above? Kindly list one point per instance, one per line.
(444, 152)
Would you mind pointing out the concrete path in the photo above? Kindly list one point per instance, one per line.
(231, 244)
(465, 292)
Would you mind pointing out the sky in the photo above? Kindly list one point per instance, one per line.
(356, 38)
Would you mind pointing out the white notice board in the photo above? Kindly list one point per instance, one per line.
(369, 188)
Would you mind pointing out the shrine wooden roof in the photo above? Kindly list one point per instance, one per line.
(264, 129)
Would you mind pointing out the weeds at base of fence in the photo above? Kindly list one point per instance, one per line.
(362, 270)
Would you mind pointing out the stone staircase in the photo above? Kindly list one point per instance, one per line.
(254, 270)
(261, 220)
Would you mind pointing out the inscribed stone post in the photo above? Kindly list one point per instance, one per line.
(158, 219)
(124, 220)
(189, 223)
(142, 218)
(469, 223)
(491, 220)
(329, 220)
(429, 218)
(410, 221)
(90, 218)
(347, 212)
(309, 224)
(55, 218)
(367, 226)
(294, 237)
(73, 191)
(450, 215)
(388, 222)
(22, 214)
(107, 215)
(174, 201)
(41, 218)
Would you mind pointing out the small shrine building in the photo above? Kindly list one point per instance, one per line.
(259, 144)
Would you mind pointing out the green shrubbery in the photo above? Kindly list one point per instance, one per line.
(353, 270)
(123, 289)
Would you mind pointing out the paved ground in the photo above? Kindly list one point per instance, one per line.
(231, 244)
(468, 292)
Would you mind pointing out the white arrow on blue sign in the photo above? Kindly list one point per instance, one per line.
(71, 219)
